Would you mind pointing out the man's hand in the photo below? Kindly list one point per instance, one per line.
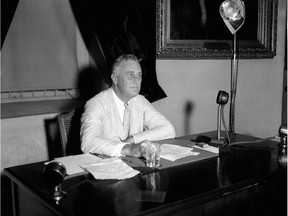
(141, 149)
(133, 150)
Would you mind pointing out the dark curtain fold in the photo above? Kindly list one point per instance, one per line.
(8, 8)
(111, 28)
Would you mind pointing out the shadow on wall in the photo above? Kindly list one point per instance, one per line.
(188, 109)
(90, 83)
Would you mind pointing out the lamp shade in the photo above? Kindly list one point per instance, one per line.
(233, 14)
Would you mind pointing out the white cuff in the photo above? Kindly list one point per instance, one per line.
(117, 151)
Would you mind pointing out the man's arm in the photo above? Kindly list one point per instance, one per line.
(156, 126)
(92, 139)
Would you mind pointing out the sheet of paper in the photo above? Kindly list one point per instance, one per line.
(173, 152)
(111, 168)
(209, 148)
(73, 163)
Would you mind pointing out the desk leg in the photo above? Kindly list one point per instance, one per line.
(15, 201)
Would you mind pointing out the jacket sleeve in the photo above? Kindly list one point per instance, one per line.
(92, 131)
(156, 126)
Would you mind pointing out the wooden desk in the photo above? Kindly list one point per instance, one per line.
(246, 180)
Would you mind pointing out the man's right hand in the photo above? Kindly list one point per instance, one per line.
(141, 149)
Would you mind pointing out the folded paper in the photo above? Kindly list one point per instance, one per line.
(174, 152)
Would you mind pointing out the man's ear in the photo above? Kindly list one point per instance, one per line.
(114, 79)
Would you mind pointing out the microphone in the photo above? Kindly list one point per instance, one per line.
(221, 100)
(283, 145)
(53, 175)
(233, 14)
(283, 137)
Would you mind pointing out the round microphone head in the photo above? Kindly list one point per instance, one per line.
(54, 173)
(233, 14)
(231, 10)
(222, 97)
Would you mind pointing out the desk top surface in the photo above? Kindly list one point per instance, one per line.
(240, 167)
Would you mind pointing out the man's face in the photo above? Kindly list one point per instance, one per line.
(128, 80)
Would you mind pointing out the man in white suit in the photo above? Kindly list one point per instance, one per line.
(102, 129)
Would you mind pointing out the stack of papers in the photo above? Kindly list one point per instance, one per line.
(111, 168)
(108, 168)
(174, 152)
(73, 163)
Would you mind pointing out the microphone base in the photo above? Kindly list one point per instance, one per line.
(221, 145)
(217, 143)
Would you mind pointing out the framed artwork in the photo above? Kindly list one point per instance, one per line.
(194, 29)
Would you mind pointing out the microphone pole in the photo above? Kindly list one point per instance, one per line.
(233, 90)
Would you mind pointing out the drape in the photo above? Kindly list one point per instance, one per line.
(111, 28)
(39, 51)
(8, 8)
(39, 48)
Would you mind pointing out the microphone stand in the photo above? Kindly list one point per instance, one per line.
(219, 122)
(222, 99)
(233, 91)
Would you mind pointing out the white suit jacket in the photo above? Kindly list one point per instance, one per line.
(101, 126)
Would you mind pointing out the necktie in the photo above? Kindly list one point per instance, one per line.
(126, 119)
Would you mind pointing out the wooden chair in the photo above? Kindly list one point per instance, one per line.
(69, 128)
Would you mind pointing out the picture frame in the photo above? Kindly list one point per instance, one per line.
(262, 43)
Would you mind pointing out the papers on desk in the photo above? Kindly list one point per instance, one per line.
(174, 152)
(108, 168)
(111, 168)
(73, 163)
(208, 148)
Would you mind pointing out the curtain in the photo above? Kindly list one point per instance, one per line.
(8, 8)
(111, 28)
(39, 51)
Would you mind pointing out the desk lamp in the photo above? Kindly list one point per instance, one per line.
(233, 14)
(53, 175)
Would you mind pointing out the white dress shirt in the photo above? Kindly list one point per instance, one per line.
(120, 107)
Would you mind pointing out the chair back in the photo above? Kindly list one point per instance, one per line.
(69, 128)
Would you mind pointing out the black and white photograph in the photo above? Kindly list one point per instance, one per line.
(143, 108)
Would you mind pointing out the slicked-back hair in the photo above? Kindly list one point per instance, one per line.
(123, 58)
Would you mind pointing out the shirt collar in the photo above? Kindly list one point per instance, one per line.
(117, 100)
